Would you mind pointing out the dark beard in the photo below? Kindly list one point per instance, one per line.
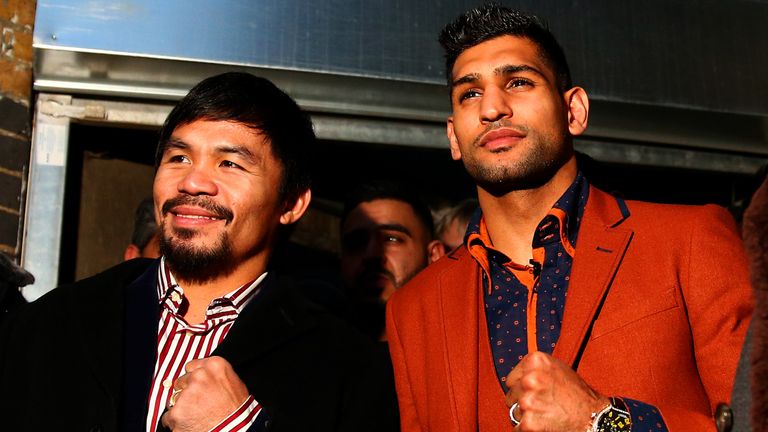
(530, 173)
(197, 265)
(191, 264)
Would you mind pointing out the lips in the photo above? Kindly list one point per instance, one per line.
(196, 211)
(501, 138)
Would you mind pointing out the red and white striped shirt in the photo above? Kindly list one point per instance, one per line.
(179, 342)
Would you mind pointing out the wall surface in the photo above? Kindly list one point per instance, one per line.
(16, 22)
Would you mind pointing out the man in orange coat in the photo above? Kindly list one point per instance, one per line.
(566, 309)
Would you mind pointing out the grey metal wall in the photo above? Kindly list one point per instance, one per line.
(708, 55)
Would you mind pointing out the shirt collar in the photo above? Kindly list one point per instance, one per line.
(170, 293)
(567, 210)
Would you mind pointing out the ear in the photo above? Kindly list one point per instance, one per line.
(455, 150)
(131, 252)
(298, 208)
(578, 110)
(435, 250)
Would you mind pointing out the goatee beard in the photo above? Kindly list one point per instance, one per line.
(190, 263)
(196, 264)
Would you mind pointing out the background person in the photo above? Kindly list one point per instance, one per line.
(145, 241)
(451, 223)
(386, 239)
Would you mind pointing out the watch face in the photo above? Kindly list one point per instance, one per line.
(614, 420)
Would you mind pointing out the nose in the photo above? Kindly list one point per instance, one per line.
(374, 249)
(198, 181)
(494, 105)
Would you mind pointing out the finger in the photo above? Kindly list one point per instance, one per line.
(167, 420)
(514, 393)
(537, 360)
(181, 382)
(515, 414)
(512, 381)
(514, 376)
(194, 364)
(174, 398)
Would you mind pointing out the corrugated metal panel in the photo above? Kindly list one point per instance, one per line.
(696, 54)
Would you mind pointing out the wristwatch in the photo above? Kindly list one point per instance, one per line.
(613, 418)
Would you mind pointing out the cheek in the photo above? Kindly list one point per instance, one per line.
(165, 183)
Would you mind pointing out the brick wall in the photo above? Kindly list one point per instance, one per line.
(16, 22)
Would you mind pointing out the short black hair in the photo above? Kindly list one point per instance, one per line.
(388, 189)
(492, 20)
(256, 103)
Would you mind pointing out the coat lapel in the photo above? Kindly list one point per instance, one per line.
(104, 302)
(599, 251)
(142, 311)
(272, 318)
(459, 314)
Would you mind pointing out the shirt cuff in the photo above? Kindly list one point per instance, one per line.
(241, 419)
(644, 416)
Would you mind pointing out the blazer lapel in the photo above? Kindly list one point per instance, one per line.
(142, 310)
(599, 250)
(107, 333)
(459, 314)
(273, 317)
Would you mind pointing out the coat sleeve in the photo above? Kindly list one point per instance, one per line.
(409, 421)
(718, 297)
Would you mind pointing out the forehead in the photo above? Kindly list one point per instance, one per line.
(486, 57)
(371, 214)
(212, 132)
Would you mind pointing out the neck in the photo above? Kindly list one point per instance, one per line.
(200, 294)
(513, 217)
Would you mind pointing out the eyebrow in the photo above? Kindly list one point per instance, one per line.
(379, 227)
(499, 71)
(394, 227)
(239, 150)
(175, 143)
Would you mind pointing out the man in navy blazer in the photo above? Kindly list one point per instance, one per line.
(207, 337)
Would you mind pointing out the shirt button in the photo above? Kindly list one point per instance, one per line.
(167, 383)
(175, 297)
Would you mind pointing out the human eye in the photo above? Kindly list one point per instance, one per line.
(520, 83)
(468, 94)
(230, 164)
(177, 158)
(393, 238)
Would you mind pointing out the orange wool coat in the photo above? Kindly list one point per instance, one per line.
(657, 308)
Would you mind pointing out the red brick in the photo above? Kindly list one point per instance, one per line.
(16, 45)
(15, 79)
(20, 12)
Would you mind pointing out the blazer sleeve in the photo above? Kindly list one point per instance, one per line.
(409, 421)
(718, 297)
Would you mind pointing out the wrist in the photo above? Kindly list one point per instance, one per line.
(613, 417)
(602, 404)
